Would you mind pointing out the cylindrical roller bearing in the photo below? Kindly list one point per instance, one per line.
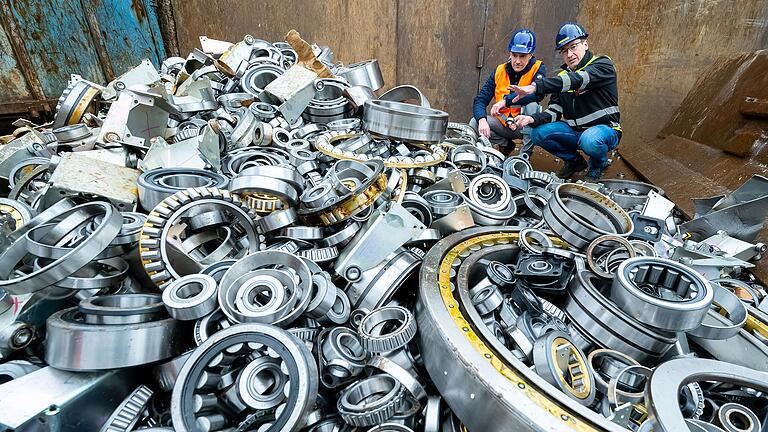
(559, 361)
(241, 342)
(579, 215)
(603, 323)
(662, 293)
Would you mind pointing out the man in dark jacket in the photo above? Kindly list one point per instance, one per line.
(521, 68)
(583, 112)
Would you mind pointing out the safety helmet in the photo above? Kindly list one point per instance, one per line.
(523, 42)
(568, 33)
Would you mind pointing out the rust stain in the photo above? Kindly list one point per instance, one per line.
(138, 9)
(12, 83)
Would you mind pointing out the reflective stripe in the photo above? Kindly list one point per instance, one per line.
(551, 114)
(566, 82)
(555, 108)
(593, 116)
(590, 62)
(585, 79)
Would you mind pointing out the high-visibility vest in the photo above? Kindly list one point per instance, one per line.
(502, 86)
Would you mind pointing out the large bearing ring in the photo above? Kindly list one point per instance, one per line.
(160, 183)
(662, 293)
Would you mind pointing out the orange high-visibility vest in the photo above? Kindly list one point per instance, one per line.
(502, 86)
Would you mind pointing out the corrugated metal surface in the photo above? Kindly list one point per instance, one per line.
(44, 41)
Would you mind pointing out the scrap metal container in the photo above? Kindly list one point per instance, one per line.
(43, 42)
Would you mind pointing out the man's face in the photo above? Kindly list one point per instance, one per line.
(519, 61)
(574, 52)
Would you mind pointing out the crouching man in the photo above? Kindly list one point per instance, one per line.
(583, 112)
(521, 69)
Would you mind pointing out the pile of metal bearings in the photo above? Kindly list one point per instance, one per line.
(238, 242)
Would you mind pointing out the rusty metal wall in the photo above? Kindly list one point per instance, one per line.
(660, 48)
(447, 48)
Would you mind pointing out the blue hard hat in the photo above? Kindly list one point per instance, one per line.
(568, 33)
(522, 42)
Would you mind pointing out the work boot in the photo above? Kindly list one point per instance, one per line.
(572, 166)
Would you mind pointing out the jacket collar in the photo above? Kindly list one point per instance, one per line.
(587, 57)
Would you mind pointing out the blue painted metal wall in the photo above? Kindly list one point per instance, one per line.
(44, 41)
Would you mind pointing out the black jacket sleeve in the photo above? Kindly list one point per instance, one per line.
(484, 96)
(535, 97)
(599, 73)
(553, 113)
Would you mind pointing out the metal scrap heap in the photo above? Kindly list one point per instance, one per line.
(258, 238)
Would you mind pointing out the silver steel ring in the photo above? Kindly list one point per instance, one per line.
(387, 328)
(190, 297)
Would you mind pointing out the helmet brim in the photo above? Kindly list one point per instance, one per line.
(569, 40)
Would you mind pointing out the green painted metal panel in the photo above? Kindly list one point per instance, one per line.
(13, 86)
(92, 38)
(58, 42)
(130, 31)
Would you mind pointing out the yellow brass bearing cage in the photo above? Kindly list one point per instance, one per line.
(577, 366)
(439, 157)
(572, 420)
